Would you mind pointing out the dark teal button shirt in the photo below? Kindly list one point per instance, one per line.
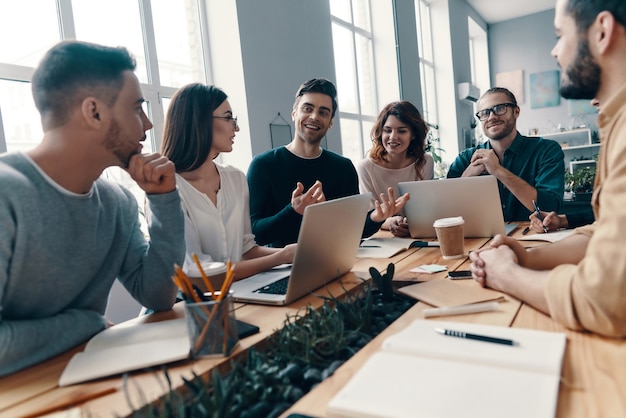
(537, 161)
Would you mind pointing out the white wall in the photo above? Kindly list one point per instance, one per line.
(525, 44)
(283, 43)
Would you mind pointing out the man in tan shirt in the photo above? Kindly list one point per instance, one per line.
(581, 280)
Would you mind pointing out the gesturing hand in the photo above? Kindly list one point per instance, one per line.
(154, 173)
(300, 200)
(388, 205)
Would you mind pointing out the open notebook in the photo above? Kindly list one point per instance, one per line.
(327, 246)
(476, 199)
(421, 373)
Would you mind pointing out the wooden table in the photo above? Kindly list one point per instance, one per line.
(594, 373)
(593, 376)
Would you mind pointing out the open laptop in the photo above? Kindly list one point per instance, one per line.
(476, 199)
(327, 245)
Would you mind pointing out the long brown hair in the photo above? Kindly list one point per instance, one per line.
(407, 113)
(188, 131)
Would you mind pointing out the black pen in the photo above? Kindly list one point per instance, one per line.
(467, 335)
(420, 244)
(545, 229)
(526, 230)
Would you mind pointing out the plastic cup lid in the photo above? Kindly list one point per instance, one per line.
(445, 222)
(210, 269)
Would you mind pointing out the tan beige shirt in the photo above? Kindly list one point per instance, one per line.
(592, 294)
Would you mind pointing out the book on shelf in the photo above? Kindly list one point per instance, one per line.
(421, 372)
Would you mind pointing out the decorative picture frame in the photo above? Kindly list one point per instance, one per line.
(544, 89)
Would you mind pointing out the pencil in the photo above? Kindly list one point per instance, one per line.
(218, 305)
(205, 279)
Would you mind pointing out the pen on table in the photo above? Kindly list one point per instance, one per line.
(369, 246)
(526, 230)
(545, 229)
(460, 310)
(424, 244)
(477, 337)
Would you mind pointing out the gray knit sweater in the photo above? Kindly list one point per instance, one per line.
(60, 253)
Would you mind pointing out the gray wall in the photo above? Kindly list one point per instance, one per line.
(526, 43)
(284, 43)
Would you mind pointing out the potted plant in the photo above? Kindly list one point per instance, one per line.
(580, 182)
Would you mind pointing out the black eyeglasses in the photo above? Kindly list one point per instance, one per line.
(231, 119)
(498, 110)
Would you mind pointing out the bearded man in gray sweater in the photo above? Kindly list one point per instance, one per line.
(65, 233)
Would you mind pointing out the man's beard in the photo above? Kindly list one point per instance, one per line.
(583, 75)
(114, 143)
(506, 131)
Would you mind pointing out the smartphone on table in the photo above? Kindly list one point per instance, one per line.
(460, 274)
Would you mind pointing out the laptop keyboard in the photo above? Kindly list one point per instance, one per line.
(279, 287)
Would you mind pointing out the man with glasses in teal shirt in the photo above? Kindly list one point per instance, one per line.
(528, 169)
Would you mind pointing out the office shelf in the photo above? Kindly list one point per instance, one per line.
(578, 147)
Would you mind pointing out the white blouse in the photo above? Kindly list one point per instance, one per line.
(219, 232)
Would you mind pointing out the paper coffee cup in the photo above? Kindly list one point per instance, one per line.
(450, 237)
(215, 271)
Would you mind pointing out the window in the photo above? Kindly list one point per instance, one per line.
(166, 59)
(427, 63)
(428, 78)
(356, 76)
(479, 61)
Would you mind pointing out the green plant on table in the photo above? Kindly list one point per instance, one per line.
(309, 347)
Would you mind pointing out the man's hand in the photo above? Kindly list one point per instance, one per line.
(154, 173)
(551, 221)
(300, 200)
(399, 227)
(388, 205)
(496, 263)
(484, 161)
(479, 266)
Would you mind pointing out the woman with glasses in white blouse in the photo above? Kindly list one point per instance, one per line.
(199, 126)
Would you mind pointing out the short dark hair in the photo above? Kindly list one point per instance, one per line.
(318, 85)
(188, 131)
(584, 12)
(502, 90)
(407, 113)
(73, 70)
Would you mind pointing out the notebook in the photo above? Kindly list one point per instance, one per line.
(327, 246)
(420, 372)
(476, 199)
(124, 348)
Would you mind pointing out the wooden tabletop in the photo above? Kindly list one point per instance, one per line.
(593, 381)
(593, 376)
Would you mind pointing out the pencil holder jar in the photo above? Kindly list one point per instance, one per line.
(211, 326)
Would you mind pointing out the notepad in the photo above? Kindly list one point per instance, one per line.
(124, 348)
(447, 293)
(388, 247)
(419, 372)
(550, 236)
